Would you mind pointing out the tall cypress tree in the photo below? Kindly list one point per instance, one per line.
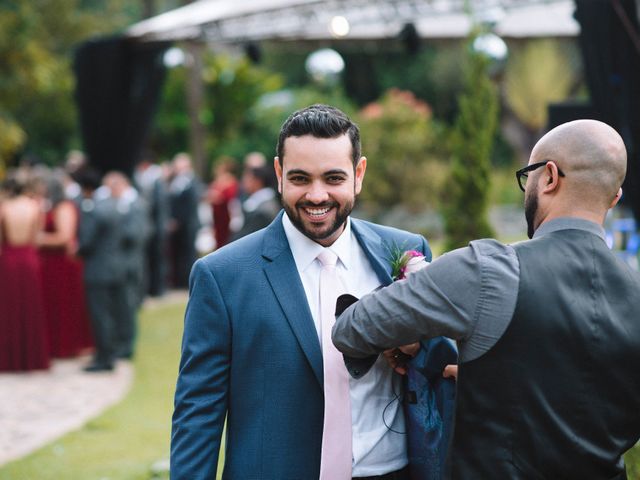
(466, 206)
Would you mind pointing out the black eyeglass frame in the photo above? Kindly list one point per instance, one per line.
(524, 172)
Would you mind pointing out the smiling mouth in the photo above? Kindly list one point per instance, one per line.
(317, 213)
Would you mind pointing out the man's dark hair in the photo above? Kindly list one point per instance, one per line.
(265, 175)
(321, 121)
(88, 178)
(13, 186)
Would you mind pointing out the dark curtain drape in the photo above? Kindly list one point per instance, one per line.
(118, 86)
(611, 60)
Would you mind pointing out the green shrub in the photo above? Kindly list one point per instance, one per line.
(466, 208)
(400, 140)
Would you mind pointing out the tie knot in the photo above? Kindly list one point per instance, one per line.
(327, 257)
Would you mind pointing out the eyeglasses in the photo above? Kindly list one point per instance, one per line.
(523, 173)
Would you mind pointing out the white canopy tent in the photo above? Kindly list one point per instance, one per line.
(234, 21)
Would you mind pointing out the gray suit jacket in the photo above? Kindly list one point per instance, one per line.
(136, 230)
(100, 241)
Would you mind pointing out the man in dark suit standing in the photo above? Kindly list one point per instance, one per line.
(253, 350)
(184, 196)
(261, 205)
(152, 188)
(548, 329)
(100, 245)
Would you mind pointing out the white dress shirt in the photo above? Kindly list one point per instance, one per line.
(378, 426)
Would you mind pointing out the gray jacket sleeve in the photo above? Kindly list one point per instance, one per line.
(468, 295)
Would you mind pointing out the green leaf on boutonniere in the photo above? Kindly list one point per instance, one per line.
(399, 258)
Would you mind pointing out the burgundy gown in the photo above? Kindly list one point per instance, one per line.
(68, 326)
(23, 336)
(221, 213)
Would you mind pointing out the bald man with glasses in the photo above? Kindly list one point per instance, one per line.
(548, 329)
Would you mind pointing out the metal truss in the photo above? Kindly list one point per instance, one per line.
(238, 21)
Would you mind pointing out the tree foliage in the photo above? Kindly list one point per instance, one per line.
(244, 107)
(433, 73)
(466, 209)
(37, 39)
(401, 142)
(232, 87)
(538, 73)
(262, 122)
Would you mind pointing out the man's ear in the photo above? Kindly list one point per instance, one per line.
(551, 178)
(278, 168)
(616, 199)
(361, 167)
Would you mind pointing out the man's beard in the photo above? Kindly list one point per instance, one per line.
(340, 218)
(530, 210)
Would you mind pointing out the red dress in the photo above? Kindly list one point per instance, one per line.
(68, 327)
(220, 208)
(23, 337)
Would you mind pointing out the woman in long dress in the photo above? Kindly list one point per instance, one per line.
(23, 340)
(222, 191)
(68, 325)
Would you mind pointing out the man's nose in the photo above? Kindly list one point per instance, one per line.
(317, 193)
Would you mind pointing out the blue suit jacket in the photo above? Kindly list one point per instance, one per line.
(250, 352)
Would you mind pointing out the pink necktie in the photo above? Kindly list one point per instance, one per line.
(336, 458)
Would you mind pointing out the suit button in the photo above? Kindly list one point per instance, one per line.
(356, 373)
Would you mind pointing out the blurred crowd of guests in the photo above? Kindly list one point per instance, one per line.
(79, 251)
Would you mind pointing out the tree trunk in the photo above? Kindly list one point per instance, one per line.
(148, 8)
(195, 103)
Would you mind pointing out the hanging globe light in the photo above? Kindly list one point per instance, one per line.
(325, 66)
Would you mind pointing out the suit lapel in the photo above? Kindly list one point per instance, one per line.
(285, 281)
(376, 250)
(287, 287)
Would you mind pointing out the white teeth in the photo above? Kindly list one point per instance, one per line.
(317, 211)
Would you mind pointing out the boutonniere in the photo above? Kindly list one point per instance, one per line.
(404, 263)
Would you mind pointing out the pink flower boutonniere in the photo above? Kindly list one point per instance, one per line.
(405, 263)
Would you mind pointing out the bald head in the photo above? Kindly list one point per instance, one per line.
(592, 156)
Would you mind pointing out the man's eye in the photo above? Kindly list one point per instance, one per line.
(335, 179)
(298, 179)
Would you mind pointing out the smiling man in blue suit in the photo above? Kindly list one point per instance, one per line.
(252, 350)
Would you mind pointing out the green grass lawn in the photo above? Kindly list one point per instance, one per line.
(129, 438)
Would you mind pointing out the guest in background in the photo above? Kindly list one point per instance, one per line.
(184, 194)
(254, 160)
(100, 244)
(151, 185)
(222, 192)
(261, 205)
(75, 161)
(68, 322)
(23, 333)
(135, 231)
(250, 160)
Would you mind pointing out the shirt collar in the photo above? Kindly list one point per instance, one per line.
(569, 223)
(305, 250)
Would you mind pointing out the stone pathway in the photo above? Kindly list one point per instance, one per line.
(38, 407)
